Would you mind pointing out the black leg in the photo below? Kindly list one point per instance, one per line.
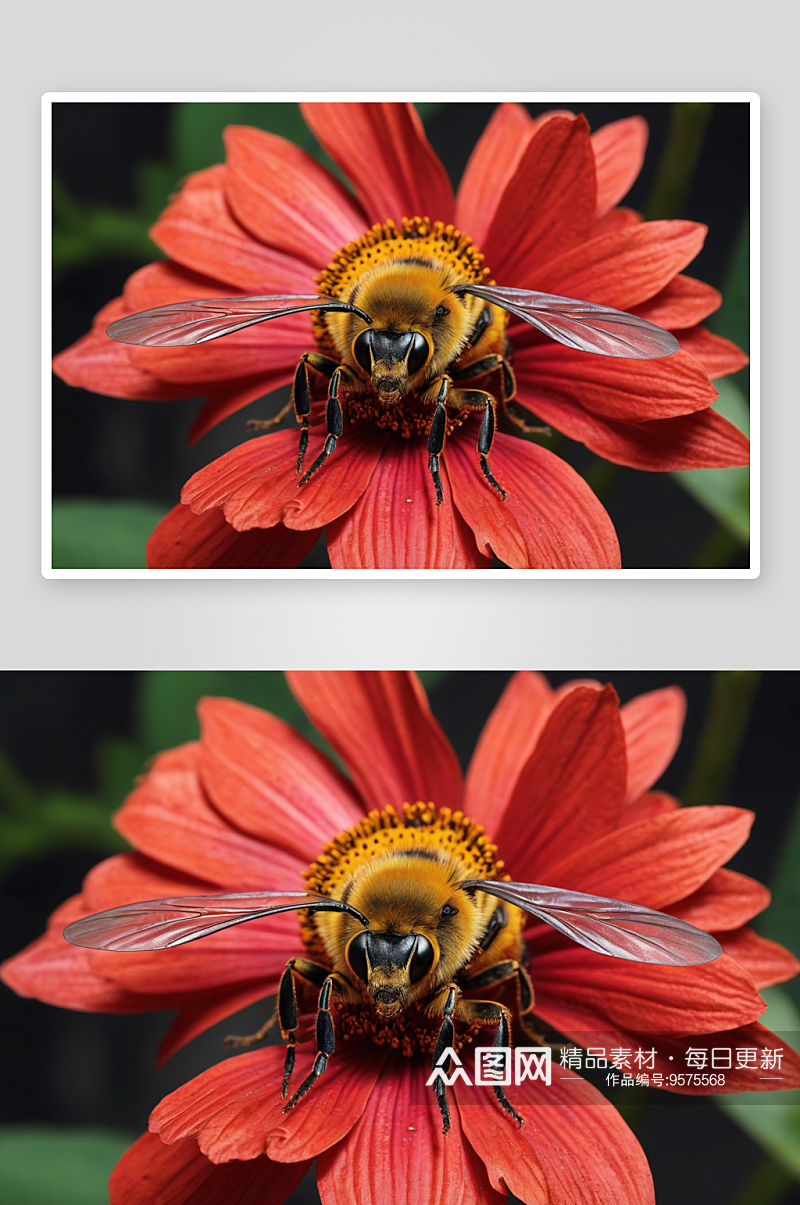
(503, 1038)
(301, 397)
(436, 439)
(485, 440)
(445, 1039)
(325, 1044)
(334, 427)
(290, 1019)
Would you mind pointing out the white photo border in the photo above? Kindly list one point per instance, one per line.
(556, 98)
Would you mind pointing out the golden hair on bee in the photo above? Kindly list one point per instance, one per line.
(407, 894)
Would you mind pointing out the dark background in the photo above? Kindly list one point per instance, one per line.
(114, 448)
(69, 1068)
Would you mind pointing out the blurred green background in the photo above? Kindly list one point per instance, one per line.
(78, 1087)
(119, 465)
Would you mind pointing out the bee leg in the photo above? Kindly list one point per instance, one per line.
(500, 972)
(478, 399)
(527, 428)
(490, 1013)
(288, 1012)
(266, 424)
(478, 368)
(235, 1041)
(436, 437)
(334, 425)
(485, 441)
(445, 1003)
(326, 1040)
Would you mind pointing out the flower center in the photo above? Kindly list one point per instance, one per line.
(402, 869)
(419, 331)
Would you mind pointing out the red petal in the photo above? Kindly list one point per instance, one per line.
(625, 390)
(766, 961)
(169, 817)
(152, 1173)
(199, 231)
(578, 989)
(236, 1112)
(184, 540)
(396, 523)
(383, 151)
(270, 349)
(681, 303)
(547, 206)
(550, 519)
(618, 154)
(491, 165)
(573, 782)
(396, 1152)
(256, 484)
(52, 970)
(574, 1146)
(726, 901)
(98, 363)
(618, 219)
(649, 807)
(270, 781)
(382, 727)
(257, 950)
(625, 268)
(282, 196)
(703, 440)
(718, 356)
(653, 724)
(507, 741)
(657, 862)
(750, 1079)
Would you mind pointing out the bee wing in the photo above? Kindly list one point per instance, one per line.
(162, 924)
(581, 324)
(606, 926)
(185, 323)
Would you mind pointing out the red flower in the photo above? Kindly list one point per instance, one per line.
(538, 198)
(561, 780)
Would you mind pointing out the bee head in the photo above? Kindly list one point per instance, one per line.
(417, 325)
(422, 928)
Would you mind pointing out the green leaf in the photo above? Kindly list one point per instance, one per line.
(102, 534)
(775, 1126)
(167, 701)
(43, 1165)
(725, 493)
(83, 234)
(732, 319)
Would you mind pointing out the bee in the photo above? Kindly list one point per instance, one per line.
(407, 932)
(417, 337)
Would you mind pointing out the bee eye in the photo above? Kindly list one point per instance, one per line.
(356, 956)
(418, 354)
(449, 910)
(422, 960)
(361, 350)
(440, 311)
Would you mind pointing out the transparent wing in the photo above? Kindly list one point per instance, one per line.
(162, 924)
(606, 926)
(581, 324)
(186, 323)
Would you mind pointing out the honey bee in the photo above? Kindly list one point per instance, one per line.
(409, 329)
(407, 933)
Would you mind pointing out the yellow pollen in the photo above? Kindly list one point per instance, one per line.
(417, 826)
(386, 241)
